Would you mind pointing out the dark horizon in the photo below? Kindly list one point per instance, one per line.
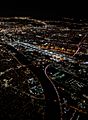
(45, 12)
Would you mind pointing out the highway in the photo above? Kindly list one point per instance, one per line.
(37, 44)
(53, 106)
(51, 54)
(60, 90)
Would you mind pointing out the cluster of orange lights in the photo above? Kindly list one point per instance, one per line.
(56, 48)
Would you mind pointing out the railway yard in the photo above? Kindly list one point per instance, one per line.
(43, 69)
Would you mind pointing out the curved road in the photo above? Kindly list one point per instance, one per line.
(53, 106)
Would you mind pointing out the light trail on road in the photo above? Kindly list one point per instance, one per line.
(73, 115)
(51, 95)
(79, 45)
(55, 89)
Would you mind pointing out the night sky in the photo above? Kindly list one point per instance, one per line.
(46, 10)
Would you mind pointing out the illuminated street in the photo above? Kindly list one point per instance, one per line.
(43, 69)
